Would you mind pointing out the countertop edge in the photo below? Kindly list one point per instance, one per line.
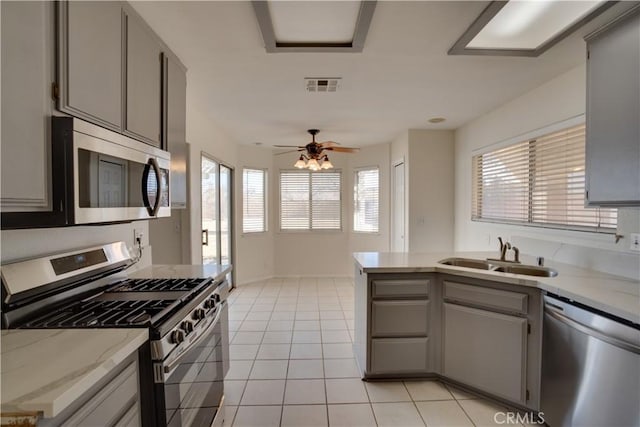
(52, 408)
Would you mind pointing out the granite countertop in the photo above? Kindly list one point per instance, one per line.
(170, 271)
(46, 370)
(616, 295)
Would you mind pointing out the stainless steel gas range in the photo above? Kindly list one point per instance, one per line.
(183, 365)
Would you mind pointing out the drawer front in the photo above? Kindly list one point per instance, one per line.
(399, 355)
(486, 297)
(400, 318)
(111, 402)
(401, 288)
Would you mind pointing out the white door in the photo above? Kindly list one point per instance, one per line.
(398, 230)
(210, 213)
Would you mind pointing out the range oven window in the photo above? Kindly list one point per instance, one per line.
(111, 182)
(193, 390)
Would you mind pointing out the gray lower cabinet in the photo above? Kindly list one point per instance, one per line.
(90, 61)
(27, 38)
(399, 313)
(486, 350)
(399, 355)
(613, 114)
(144, 66)
(112, 402)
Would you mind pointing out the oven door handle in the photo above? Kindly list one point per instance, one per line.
(173, 364)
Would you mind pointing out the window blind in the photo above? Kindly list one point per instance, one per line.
(538, 182)
(253, 201)
(310, 200)
(366, 192)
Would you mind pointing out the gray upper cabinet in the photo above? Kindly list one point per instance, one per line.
(175, 119)
(90, 64)
(144, 82)
(27, 76)
(613, 114)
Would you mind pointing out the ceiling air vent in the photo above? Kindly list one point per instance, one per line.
(322, 84)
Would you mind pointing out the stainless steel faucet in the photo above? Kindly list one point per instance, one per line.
(504, 247)
(516, 254)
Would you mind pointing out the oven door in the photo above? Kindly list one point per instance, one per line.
(193, 387)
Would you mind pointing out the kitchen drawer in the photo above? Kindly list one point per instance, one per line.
(400, 318)
(401, 288)
(107, 406)
(399, 355)
(512, 302)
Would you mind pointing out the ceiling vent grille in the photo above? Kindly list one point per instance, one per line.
(322, 84)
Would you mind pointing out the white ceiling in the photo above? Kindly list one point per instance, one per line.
(401, 79)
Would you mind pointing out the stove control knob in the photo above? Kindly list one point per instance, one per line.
(198, 314)
(187, 327)
(216, 298)
(210, 303)
(176, 337)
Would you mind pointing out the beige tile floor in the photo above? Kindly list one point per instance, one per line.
(292, 364)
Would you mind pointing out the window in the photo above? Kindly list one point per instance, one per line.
(254, 201)
(366, 190)
(310, 200)
(538, 182)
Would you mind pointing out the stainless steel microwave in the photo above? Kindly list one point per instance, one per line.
(99, 176)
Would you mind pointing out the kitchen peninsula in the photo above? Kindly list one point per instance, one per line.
(478, 328)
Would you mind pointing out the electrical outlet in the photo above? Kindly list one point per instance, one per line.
(634, 244)
(137, 236)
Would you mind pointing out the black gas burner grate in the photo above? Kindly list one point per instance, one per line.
(87, 314)
(155, 285)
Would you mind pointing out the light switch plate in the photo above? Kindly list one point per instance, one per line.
(634, 243)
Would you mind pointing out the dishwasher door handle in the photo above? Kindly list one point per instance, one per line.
(590, 331)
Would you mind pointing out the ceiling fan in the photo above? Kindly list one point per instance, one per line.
(315, 158)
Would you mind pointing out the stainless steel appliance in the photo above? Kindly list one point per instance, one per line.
(183, 365)
(590, 367)
(99, 176)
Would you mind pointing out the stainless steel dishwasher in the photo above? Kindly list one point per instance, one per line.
(590, 367)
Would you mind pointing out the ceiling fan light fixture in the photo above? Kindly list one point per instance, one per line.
(313, 165)
(301, 163)
(326, 163)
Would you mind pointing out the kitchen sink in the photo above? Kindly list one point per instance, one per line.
(528, 270)
(500, 266)
(468, 263)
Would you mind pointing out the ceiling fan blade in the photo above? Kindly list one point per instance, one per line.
(290, 151)
(288, 146)
(329, 143)
(343, 149)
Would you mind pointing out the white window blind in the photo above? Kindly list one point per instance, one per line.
(366, 190)
(310, 200)
(254, 201)
(538, 182)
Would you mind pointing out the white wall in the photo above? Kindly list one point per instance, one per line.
(318, 253)
(22, 244)
(431, 186)
(558, 100)
(255, 251)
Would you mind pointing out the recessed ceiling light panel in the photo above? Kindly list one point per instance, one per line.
(314, 21)
(525, 27)
(529, 24)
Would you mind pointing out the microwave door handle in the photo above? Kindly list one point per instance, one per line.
(153, 210)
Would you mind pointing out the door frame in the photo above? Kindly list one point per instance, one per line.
(394, 164)
(232, 233)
